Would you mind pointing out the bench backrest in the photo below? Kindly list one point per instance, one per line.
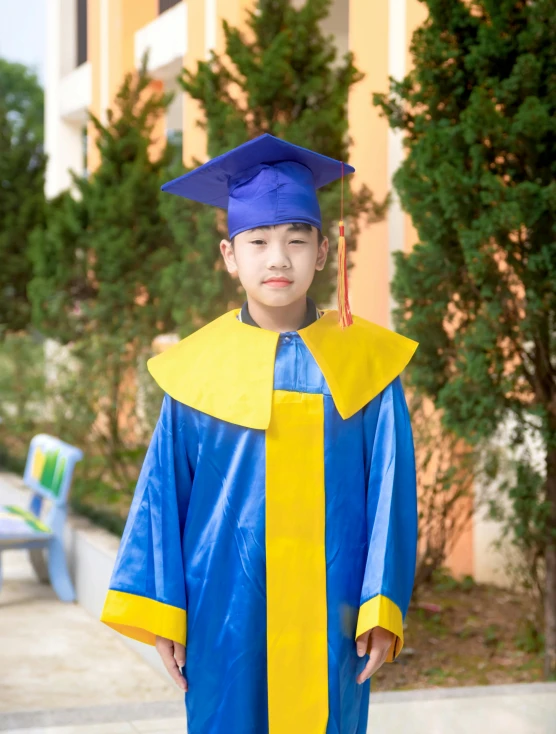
(49, 467)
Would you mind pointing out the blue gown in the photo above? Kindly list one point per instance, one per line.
(268, 597)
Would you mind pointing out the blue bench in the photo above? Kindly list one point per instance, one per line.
(48, 474)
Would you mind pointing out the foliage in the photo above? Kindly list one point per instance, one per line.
(442, 580)
(117, 263)
(529, 638)
(99, 280)
(444, 469)
(282, 76)
(22, 167)
(22, 95)
(22, 389)
(477, 291)
(522, 512)
(197, 270)
(43, 388)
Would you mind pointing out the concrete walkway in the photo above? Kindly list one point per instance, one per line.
(519, 709)
(60, 667)
(512, 709)
(63, 672)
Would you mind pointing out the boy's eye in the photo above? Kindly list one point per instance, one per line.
(292, 242)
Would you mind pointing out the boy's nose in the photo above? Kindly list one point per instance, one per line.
(277, 258)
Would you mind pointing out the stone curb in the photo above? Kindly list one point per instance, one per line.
(433, 694)
(93, 715)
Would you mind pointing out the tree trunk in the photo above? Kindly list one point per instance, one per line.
(550, 565)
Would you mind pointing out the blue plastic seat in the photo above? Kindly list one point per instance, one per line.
(48, 474)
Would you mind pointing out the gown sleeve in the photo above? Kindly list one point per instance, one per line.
(391, 516)
(147, 594)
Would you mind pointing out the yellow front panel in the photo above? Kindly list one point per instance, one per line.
(296, 566)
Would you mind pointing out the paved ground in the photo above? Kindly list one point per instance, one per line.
(518, 709)
(523, 709)
(56, 655)
(62, 672)
(59, 665)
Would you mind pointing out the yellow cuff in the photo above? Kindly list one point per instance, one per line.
(142, 619)
(380, 611)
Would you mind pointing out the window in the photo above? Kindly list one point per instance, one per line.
(85, 151)
(81, 32)
(175, 143)
(166, 5)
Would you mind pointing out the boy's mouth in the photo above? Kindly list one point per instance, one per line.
(278, 282)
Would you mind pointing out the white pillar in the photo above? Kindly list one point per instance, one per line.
(52, 94)
(63, 142)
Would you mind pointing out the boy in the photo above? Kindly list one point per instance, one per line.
(273, 530)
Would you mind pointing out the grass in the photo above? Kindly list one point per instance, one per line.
(484, 635)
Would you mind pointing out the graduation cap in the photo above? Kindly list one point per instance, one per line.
(269, 181)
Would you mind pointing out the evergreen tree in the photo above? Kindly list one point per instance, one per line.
(283, 77)
(478, 291)
(22, 167)
(96, 262)
(196, 285)
(22, 95)
(98, 268)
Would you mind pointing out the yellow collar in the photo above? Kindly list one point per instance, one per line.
(226, 368)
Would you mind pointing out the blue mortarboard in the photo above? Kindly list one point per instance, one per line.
(267, 181)
(262, 182)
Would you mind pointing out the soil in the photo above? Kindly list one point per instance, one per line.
(482, 635)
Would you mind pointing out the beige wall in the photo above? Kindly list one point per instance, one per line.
(111, 37)
(416, 15)
(368, 39)
(194, 139)
(374, 153)
(205, 33)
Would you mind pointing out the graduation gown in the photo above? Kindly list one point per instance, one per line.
(274, 521)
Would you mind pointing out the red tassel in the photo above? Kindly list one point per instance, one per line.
(344, 312)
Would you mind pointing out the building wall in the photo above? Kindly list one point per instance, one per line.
(67, 95)
(368, 39)
(111, 42)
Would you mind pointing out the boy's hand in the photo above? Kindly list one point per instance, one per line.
(173, 657)
(381, 639)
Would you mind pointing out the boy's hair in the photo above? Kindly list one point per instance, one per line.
(300, 226)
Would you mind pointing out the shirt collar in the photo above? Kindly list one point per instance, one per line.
(311, 315)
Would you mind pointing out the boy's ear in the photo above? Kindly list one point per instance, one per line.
(322, 254)
(229, 256)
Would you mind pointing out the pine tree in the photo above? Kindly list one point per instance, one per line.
(283, 77)
(478, 291)
(22, 167)
(97, 261)
(98, 267)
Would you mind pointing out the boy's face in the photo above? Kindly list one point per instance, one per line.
(276, 265)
